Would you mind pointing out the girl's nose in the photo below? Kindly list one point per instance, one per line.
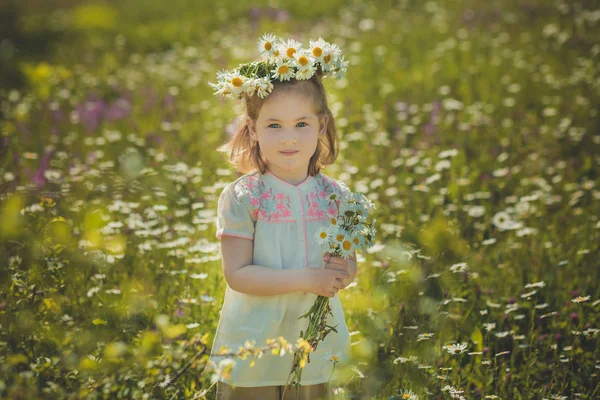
(289, 140)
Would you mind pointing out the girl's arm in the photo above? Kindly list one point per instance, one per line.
(244, 277)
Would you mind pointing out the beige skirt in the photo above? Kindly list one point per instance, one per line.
(321, 391)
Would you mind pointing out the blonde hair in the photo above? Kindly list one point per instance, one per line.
(244, 153)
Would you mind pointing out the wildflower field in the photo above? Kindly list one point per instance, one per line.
(473, 127)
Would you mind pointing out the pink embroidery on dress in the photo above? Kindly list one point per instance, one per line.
(318, 200)
(267, 205)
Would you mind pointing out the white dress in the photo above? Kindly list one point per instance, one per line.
(281, 219)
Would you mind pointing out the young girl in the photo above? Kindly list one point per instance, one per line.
(267, 220)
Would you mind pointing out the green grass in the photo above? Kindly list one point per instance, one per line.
(453, 116)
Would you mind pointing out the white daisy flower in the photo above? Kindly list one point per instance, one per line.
(332, 52)
(283, 70)
(289, 48)
(333, 230)
(334, 358)
(358, 240)
(503, 221)
(236, 83)
(335, 50)
(580, 299)
(250, 86)
(303, 60)
(221, 89)
(263, 86)
(303, 74)
(346, 245)
(409, 394)
(456, 348)
(317, 49)
(267, 45)
(276, 57)
(341, 65)
(322, 235)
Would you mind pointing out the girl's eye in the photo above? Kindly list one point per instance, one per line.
(305, 124)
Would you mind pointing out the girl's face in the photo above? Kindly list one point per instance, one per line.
(287, 130)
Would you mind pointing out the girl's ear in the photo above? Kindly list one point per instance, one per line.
(251, 129)
(323, 121)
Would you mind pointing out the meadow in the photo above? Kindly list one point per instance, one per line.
(473, 127)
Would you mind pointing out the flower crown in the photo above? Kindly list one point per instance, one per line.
(282, 60)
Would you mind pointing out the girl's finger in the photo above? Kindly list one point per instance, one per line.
(338, 260)
(335, 266)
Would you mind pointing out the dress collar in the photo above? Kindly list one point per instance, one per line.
(282, 183)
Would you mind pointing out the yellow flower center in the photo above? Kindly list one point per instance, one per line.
(290, 52)
(347, 245)
(327, 58)
(405, 396)
(323, 235)
(282, 70)
(276, 53)
(317, 51)
(356, 241)
(335, 358)
(237, 82)
(333, 221)
(302, 60)
(339, 237)
(268, 46)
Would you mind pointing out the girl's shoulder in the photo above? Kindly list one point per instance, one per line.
(248, 184)
(333, 185)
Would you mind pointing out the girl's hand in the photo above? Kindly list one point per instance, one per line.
(323, 282)
(341, 264)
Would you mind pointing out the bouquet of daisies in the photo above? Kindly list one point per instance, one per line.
(348, 230)
(281, 60)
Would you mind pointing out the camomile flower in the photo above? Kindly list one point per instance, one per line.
(322, 235)
(307, 73)
(327, 64)
(222, 90)
(339, 236)
(263, 86)
(289, 48)
(332, 52)
(303, 60)
(341, 65)
(222, 74)
(267, 45)
(408, 394)
(250, 86)
(335, 50)
(283, 70)
(358, 241)
(333, 230)
(317, 49)
(346, 245)
(276, 57)
(456, 348)
(334, 358)
(235, 83)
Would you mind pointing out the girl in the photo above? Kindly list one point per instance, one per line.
(266, 221)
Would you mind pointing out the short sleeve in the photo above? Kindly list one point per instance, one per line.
(234, 214)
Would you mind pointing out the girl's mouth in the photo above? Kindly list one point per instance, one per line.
(288, 152)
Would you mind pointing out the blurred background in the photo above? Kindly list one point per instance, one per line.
(473, 126)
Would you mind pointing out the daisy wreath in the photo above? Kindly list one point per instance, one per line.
(281, 60)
